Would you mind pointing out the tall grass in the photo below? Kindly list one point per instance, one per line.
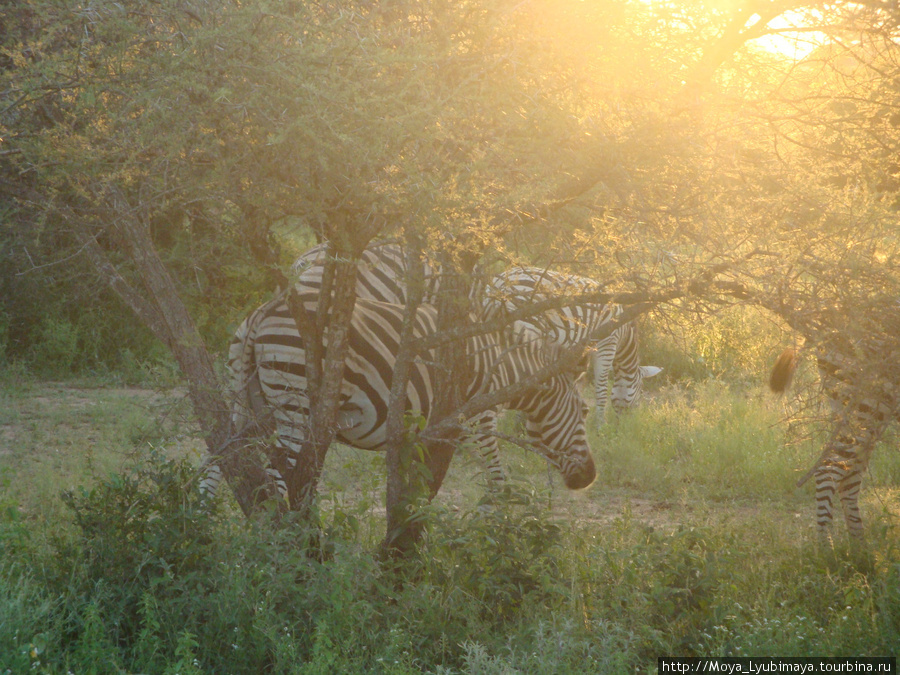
(692, 541)
(146, 585)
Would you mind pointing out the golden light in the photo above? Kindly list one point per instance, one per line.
(789, 34)
(791, 37)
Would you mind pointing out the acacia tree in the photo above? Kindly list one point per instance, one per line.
(145, 124)
(648, 145)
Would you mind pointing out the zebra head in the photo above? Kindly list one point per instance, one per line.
(555, 416)
(628, 384)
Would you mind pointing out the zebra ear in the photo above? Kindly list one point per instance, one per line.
(650, 371)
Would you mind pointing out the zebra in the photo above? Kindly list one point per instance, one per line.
(864, 399)
(571, 325)
(382, 277)
(267, 363)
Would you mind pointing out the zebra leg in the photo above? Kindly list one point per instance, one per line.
(281, 461)
(848, 489)
(841, 475)
(485, 424)
(294, 475)
(257, 477)
(855, 460)
(603, 356)
(211, 477)
(251, 420)
(825, 491)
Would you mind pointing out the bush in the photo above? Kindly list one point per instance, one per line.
(56, 351)
(154, 579)
(737, 344)
(505, 554)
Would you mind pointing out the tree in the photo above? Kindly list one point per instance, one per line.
(179, 149)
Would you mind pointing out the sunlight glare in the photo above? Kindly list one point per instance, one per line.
(791, 39)
(789, 34)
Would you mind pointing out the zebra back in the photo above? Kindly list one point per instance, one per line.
(382, 273)
(565, 326)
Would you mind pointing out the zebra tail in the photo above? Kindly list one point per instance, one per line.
(783, 371)
(247, 405)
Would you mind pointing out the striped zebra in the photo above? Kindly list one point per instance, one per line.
(864, 399)
(568, 326)
(381, 276)
(267, 362)
(382, 272)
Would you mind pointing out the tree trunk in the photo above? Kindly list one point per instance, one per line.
(402, 480)
(325, 334)
(160, 308)
(451, 378)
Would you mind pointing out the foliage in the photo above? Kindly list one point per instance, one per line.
(731, 344)
(499, 589)
(632, 140)
(504, 552)
(141, 575)
(637, 143)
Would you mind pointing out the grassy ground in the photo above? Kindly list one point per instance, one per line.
(56, 436)
(693, 540)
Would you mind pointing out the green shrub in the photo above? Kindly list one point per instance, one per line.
(56, 351)
(156, 580)
(505, 553)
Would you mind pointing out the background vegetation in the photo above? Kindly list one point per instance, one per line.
(162, 163)
(692, 541)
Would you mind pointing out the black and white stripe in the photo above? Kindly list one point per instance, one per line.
(572, 325)
(267, 357)
(381, 276)
(382, 273)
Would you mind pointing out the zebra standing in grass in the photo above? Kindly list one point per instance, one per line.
(572, 325)
(860, 380)
(267, 361)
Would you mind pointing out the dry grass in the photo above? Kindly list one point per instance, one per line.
(698, 457)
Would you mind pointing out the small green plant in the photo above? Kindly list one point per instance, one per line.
(57, 349)
(94, 649)
(186, 662)
(505, 552)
